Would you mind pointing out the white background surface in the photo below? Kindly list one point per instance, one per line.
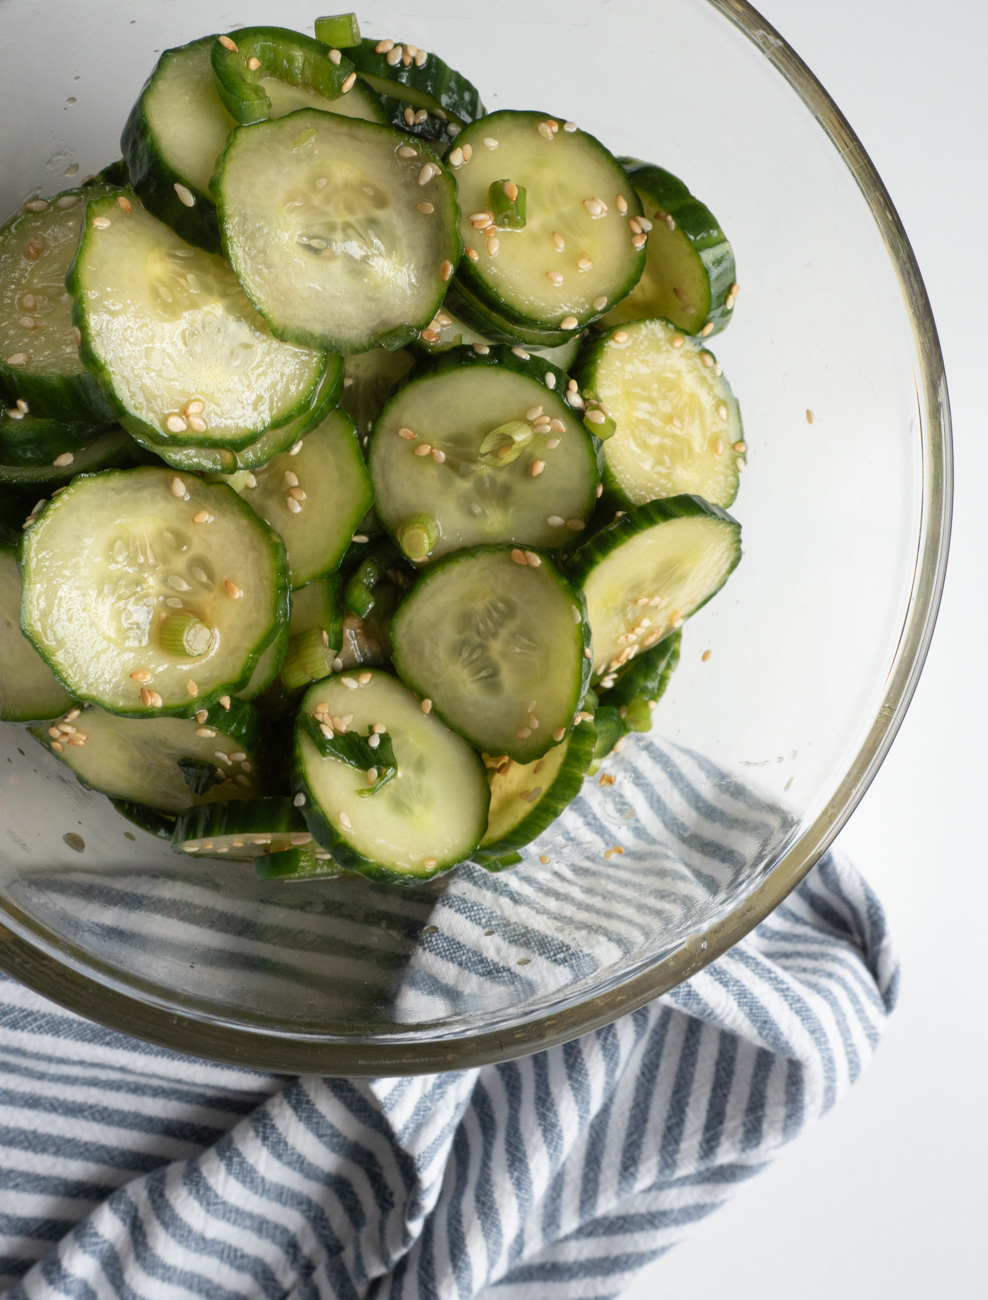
(887, 1196)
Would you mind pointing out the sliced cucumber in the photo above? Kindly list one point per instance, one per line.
(34, 442)
(489, 473)
(160, 825)
(499, 644)
(39, 350)
(526, 798)
(315, 497)
(644, 678)
(576, 254)
(421, 80)
(370, 379)
(689, 276)
(481, 317)
(173, 136)
(678, 423)
(150, 761)
(28, 688)
(185, 359)
(316, 633)
(243, 828)
(268, 666)
(446, 331)
(146, 592)
(430, 817)
(359, 101)
(648, 571)
(256, 61)
(355, 227)
(114, 449)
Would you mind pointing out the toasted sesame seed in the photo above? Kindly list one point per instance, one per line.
(229, 45)
(66, 458)
(345, 821)
(178, 488)
(101, 223)
(151, 699)
(739, 447)
(349, 83)
(426, 174)
(707, 329)
(556, 277)
(569, 127)
(536, 468)
(472, 253)
(445, 270)
(706, 359)
(350, 683)
(254, 63)
(481, 349)
(141, 675)
(251, 482)
(423, 449)
(18, 359)
(596, 207)
(385, 46)
(534, 559)
(295, 507)
(425, 207)
(299, 800)
(393, 56)
(596, 417)
(568, 323)
(718, 446)
(407, 434)
(406, 150)
(429, 336)
(232, 590)
(337, 665)
(438, 456)
(176, 424)
(677, 341)
(420, 57)
(493, 244)
(185, 195)
(639, 241)
(37, 205)
(521, 354)
(523, 733)
(718, 369)
(518, 556)
(81, 740)
(635, 226)
(455, 157)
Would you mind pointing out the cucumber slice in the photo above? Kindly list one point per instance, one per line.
(678, 423)
(13, 517)
(231, 465)
(315, 497)
(268, 667)
(490, 474)
(28, 688)
(173, 136)
(690, 276)
(648, 571)
(119, 561)
(160, 825)
(243, 828)
(359, 101)
(526, 798)
(148, 761)
(429, 818)
(306, 863)
(185, 359)
(452, 332)
(576, 255)
(255, 62)
(500, 645)
(370, 379)
(39, 352)
(114, 449)
(497, 328)
(419, 79)
(316, 633)
(340, 231)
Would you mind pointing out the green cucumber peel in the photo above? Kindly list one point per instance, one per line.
(199, 775)
(279, 53)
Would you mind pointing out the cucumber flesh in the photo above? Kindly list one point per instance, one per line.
(678, 424)
(138, 760)
(114, 449)
(538, 495)
(370, 379)
(350, 261)
(243, 828)
(647, 572)
(171, 334)
(304, 863)
(430, 817)
(116, 559)
(498, 644)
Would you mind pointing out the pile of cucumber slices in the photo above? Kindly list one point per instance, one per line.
(380, 456)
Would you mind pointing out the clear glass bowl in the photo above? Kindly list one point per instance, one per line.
(818, 639)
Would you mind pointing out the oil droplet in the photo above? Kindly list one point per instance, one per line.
(75, 841)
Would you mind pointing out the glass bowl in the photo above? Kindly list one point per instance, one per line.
(759, 751)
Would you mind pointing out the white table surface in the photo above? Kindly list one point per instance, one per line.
(886, 1197)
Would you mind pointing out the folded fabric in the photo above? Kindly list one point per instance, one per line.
(130, 1171)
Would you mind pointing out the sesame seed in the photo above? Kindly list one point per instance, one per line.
(438, 456)
(384, 47)
(406, 150)
(536, 468)
(81, 740)
(718, 369)
(493, 244)
(555, 521)
(141, 675)
(66, 458)
(445, 270)
(423, 449)
(518, 556)
(523, 734)
(407, 434)
(596, 417)
(552, 444)
(232, 590)
(735, 290)
(294, 506)
(635, 226)
(393, 56)
(556, 277)
(426, 174)
(456, 157)
(101, 223)
(345, 822)
(185, 195)
(639, 241)
(420, 117)
(429, 336)
(176, 424)
(521, 354)
(739, 447)
(253, 63)
(534, 559)
(472, 253)
(337, 665)
(350, 683)
(481, 349)
(299, 800)
(206, 732)
(150, 699)
(229, 45)
(420, 57)
(718, 446)
(677, 341)
(596, 207)
(349, 83)
(18, 359)
(707, 329)
(426, 207)
(124, 204)
(706, 359)
(620, 336)
(197, 424)
(427, 707)
(178, 487)
(37, 205)
(583, 263)
(599, 304)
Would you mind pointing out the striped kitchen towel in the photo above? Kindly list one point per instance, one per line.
(131, 1171)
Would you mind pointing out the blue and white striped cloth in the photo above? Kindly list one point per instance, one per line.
(127, 1171)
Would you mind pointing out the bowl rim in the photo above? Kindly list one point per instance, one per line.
(283, 1052)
